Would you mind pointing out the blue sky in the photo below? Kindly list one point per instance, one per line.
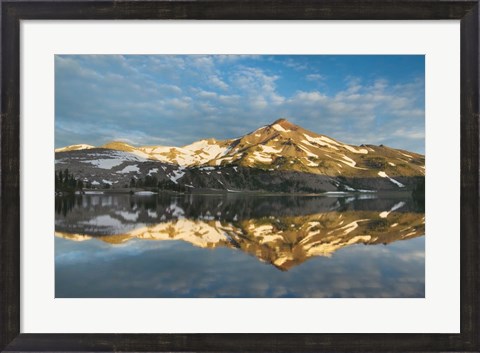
(178, 99)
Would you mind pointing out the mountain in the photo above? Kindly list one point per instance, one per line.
(285, 146)
(277, 157)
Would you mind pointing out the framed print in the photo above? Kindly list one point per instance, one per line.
(287, 197)
(257, 175)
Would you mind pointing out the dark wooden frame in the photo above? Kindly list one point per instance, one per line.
(12, 12)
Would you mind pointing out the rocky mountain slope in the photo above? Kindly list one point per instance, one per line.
(280, 157)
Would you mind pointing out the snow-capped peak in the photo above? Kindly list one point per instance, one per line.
(74, 148)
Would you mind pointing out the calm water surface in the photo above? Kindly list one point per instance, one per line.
(239, 246)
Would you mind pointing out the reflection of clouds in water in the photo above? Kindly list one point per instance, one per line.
(128, 265)
(395, 270)
(68, 252)
(412, 256)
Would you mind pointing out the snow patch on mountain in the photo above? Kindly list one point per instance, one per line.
(322, 141)
(130, 169)
(268, 149)
(310, 154)
(354, 150)
(349, 161)
(279, 128)
(151, 171)
(177, 174)
(105, 163)
(117, 158)
(261, 157)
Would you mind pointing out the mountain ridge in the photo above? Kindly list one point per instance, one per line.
(281, 145)
(279, 157)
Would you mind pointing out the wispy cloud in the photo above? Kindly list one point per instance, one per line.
(314, 77)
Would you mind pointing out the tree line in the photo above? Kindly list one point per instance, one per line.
(66, 182)
(153, 182)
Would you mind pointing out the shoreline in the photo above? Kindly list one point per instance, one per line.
(217, 192)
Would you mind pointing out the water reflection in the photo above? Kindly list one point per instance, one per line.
(280, 231)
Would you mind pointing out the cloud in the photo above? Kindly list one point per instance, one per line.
(314, 77)
(376, 113)
(258, 86)
(180, 99)
(216, 81)
(296, 65)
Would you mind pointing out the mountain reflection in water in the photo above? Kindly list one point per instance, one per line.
(281, 231)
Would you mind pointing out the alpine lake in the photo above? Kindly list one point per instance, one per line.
(172, 245)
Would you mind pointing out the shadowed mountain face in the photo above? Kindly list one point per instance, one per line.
(282, 231)
(280, 157)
